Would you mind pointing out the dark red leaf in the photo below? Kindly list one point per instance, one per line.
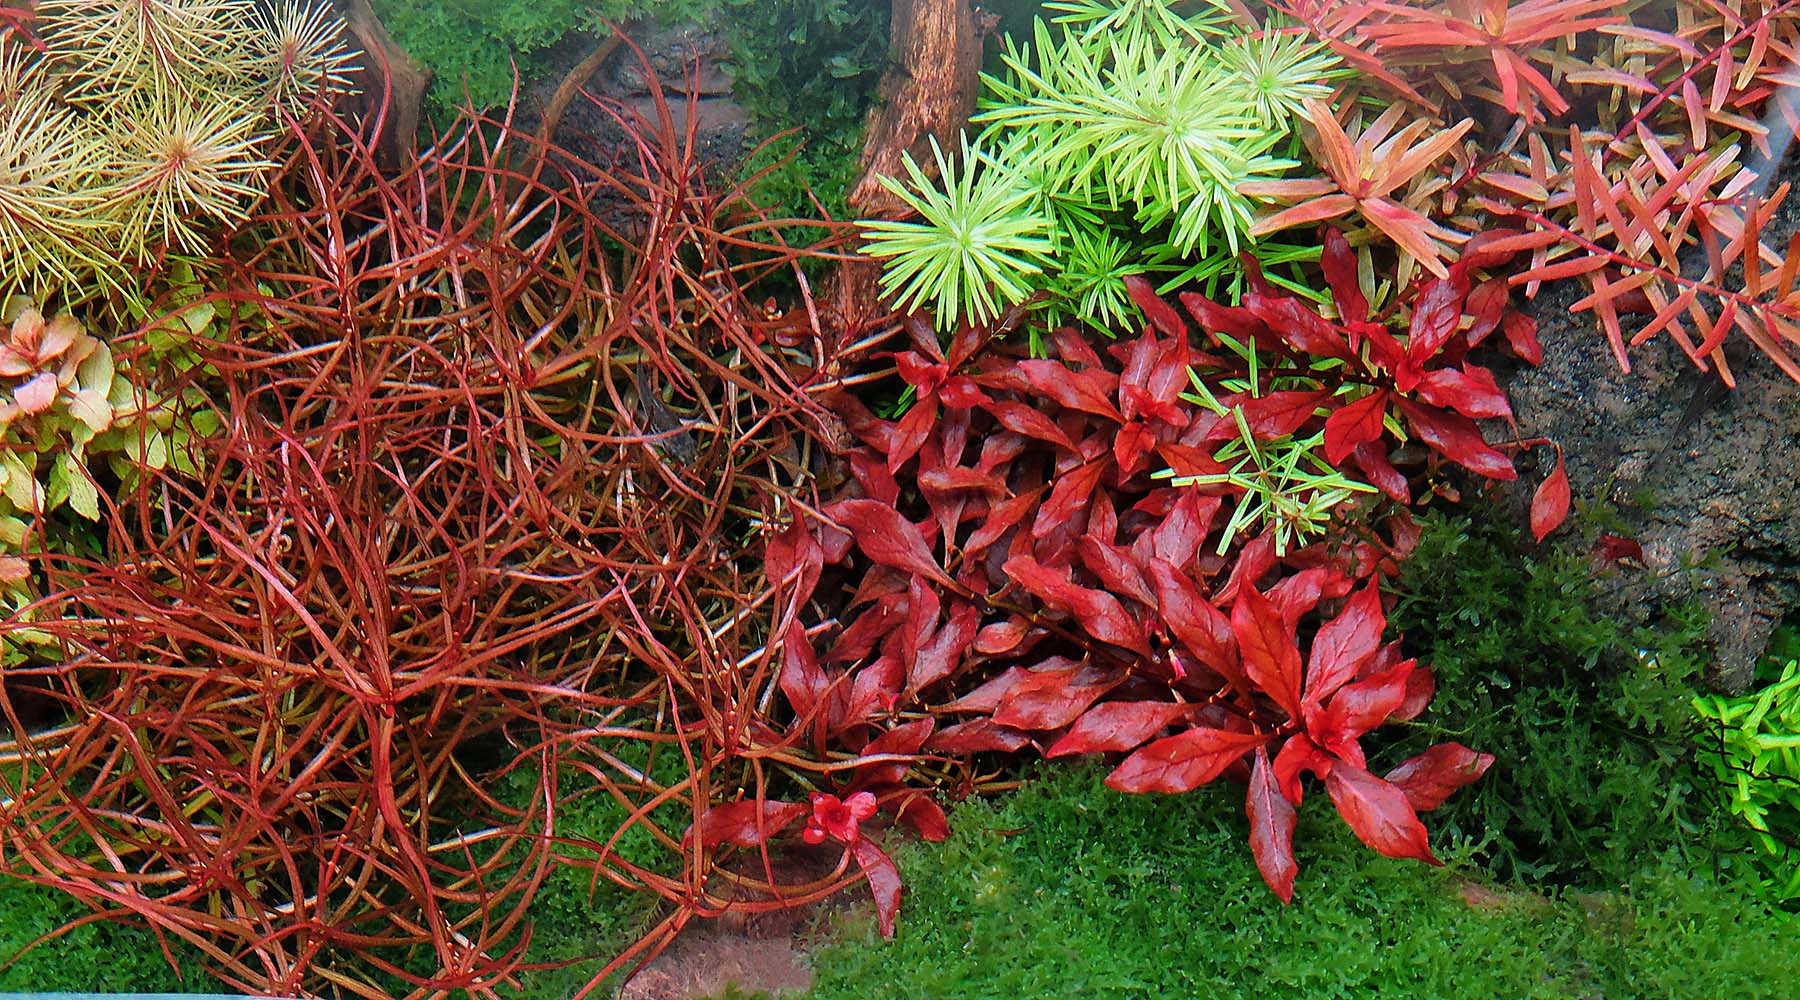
(939, 657)
(1090, 390)
(802, 679)
(1072, 346)
(1233, 321)
(1618, 548)
(1470, 391)
(1487, 304)
(1195, 622)
(1068, 498)
(1183, 529)
(978, 736)
(1160, 314)
(1300, 755)
(877, 481)
(911, 431)
(1275, 415)
(794, 560)
(1117, 725)
(1001, 637)
(1550, 504)
(1431, 777)
(1183, 762)
(905, 739)
(1295, 595)
(1421, 685)
(1114, 568)
(888, 538)
(1304, 330)
(1521, 333)
(1001, 518)
(1099, 612)
(876, 687)
(926, 817)
(1356, 709)
(1029, 421)
(1343, 643)
(960, 477)
(961, 393)
(1271, 660)
(884, 882)
(1435, 316)
(986, 698)
(1271, 828)
(747, 823)
(1130, 446)
(1189, 460)
(1354, 424)
(1339, 263)
(1050, 699)
(1457, 438)
(920, 372)
(1379, 813)
(1372, 457)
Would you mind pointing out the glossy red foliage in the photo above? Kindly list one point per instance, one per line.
(1027, 580)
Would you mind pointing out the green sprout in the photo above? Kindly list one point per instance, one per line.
(980, 239)
(1288, 487)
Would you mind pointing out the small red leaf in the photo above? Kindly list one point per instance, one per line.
(884, 882)
(1457, 438)
(1195, 622)
(1373, 458)
(745, 824)
(1068, 498)
(1271, 660)
(1049, 699)
(1098, 611)
(1300, 755)
(803, 681)
(1435, 317)
(977, 736)
(1021, 418)
(1521, 333)
(1275, 415)
(1356, 709)
(1470, 391)
(1431, 777)
(1161, 315)
(926, 817)
(1550, 504)
(1233, 321)
(939, 657)
(1378, 813)
(1339, 263)
(888, 538)
(1343, 643)
(1001, 637)
(1354, 424)
(1117, 725)
(1183, 762)
(1089, 390)
(1271, 828)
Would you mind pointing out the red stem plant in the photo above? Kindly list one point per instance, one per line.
(1617, 142)
(438, 542)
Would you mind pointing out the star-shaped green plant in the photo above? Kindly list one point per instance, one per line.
(980, 238)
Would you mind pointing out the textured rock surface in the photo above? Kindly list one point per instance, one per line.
(1706, 480)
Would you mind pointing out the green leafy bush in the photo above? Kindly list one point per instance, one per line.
(1588, 720)
(1129, 128)
(1752, 745)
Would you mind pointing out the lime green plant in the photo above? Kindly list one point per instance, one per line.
(1753, 745)
(144, 125)
(1129, 125)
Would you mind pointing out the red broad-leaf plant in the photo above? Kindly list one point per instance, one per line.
(1021, 578)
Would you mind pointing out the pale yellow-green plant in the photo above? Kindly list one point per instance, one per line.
(144, 126)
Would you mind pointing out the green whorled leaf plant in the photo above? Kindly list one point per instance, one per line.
(144, 125)
(979, 238)
(1134, 126)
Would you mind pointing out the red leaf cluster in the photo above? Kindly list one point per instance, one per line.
(1024, 578)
